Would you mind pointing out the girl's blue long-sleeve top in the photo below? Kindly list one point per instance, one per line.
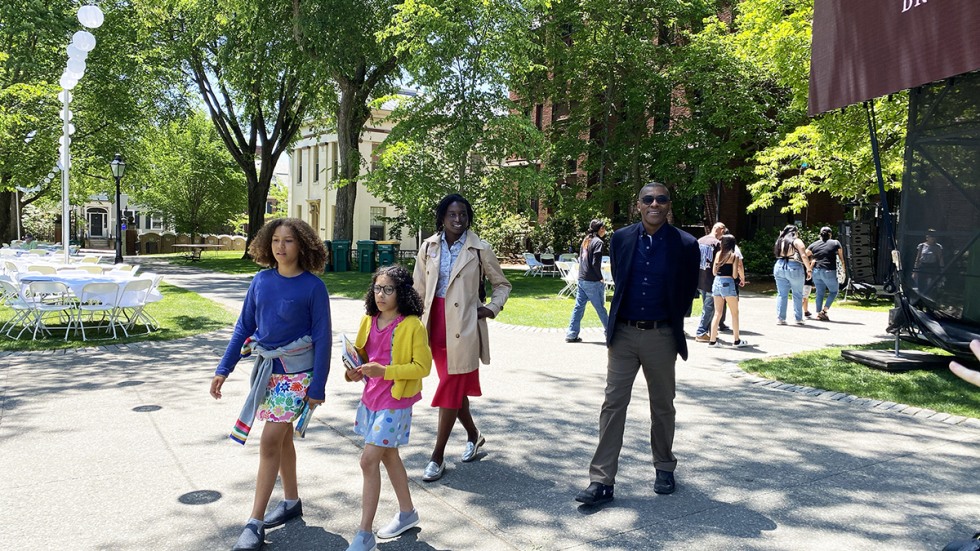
(277, 311)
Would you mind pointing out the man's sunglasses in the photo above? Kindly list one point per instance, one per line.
(660, 199)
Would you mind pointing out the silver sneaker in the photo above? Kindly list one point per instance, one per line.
(433, 471)
(398, 525)
(472, 448)
(363, 541)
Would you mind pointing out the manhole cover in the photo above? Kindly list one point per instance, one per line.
(199, 497)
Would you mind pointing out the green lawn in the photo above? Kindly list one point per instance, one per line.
(181, 313)
(937, 390)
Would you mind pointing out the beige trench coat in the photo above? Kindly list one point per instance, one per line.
(467, 341)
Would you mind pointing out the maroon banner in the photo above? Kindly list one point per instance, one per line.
(864, 49)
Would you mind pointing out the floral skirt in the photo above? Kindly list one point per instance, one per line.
(284, 397)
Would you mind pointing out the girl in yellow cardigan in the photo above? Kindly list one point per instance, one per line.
(394, 343)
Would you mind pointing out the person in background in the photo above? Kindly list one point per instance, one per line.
(825, 253)
(929, 262)
(791, 269)
(449, 272)
(708, 245)
(727, 270)
(591, 287)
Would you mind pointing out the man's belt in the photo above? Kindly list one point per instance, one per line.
(647, 324)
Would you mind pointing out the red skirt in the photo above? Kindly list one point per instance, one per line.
(452, 388)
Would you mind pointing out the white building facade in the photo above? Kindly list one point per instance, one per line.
(314, 168)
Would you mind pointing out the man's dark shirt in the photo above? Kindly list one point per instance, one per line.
(645, 298)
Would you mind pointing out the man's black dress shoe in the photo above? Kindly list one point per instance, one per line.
(665, 482)
(595, 494)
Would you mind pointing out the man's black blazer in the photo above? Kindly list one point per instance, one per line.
(682, 280)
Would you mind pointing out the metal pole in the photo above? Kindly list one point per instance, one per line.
(17, 205)
(119, 254)
(65, 162)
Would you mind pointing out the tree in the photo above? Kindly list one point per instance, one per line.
(341, 37)
(121, 91)
(189, 177)
(240, 57)
(605, 73)
(459, 132)
(830, 153)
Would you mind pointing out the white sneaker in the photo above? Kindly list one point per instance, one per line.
(363, 541)
(399, 524)
(741, 343)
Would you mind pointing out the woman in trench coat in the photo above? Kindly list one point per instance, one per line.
(448, 275)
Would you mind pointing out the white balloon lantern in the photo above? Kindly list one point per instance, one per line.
(75, 53)
(67, 81)
(76, 67)
(83, 40)
(90, 16)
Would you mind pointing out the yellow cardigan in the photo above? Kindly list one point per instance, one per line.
(411, 358)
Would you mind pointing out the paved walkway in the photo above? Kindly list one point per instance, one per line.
(120, 447)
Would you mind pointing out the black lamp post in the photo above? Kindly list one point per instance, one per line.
(118, 169)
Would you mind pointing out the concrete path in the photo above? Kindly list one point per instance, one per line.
(120, 447)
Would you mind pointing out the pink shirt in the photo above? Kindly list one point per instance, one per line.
(377, 390)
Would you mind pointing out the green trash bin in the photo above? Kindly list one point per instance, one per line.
(365, 255)
(387, 252)
(341, 256)
(328, 267)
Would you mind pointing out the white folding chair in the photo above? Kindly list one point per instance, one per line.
(569, 274)
(132, 300)
(89, 269)
(607, 277)
(548, 264)
(533, 265)
(98, 297)
(568, 257)
(42, 269)
(11, 298)
(90, 259)
(46, 298)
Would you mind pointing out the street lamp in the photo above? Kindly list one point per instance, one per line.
(118, 169)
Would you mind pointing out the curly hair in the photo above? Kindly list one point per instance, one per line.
(312, 253)
(443, 207)
(408, 299)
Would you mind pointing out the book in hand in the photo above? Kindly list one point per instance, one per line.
(303, 422)
(350, 357)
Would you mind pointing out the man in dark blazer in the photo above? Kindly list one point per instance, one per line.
(655, 270)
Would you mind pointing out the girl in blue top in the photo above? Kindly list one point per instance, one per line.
(396, 345)
(287, 314)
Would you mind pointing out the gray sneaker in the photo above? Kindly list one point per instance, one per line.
(363, 541)
(399, 524)
(252, 538)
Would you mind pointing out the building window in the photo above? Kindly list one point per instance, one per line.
(336, 160)
(316, 164)
(377, 223)
(299, 166)
(155, 222)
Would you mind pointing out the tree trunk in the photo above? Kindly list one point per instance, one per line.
(8, 217)
(351, 117)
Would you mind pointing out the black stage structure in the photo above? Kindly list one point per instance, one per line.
(868, 49)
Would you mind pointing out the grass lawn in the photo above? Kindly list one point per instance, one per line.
(937, 390)
(181, 313)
